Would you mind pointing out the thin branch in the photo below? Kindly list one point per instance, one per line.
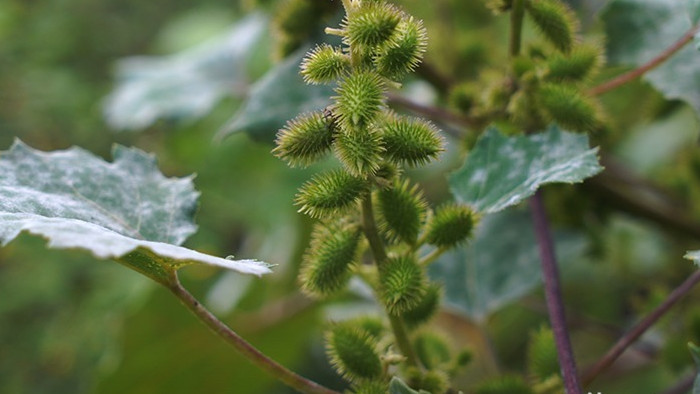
(641, 327)
(254, 355)
(644, 68)
(369, 226)
(555, 305)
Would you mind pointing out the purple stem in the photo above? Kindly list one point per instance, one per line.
(555, 305)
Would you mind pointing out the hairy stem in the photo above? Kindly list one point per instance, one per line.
(632, 335)
(651, 64)
(398, 327)
(555, 305)
(254, 355)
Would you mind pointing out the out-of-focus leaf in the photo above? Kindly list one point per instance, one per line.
(639, 30)
(502, 171)
(498, 266)
(186, 85)
(278, 97)
(126, 210)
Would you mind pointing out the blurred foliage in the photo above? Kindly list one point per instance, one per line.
(71, 325)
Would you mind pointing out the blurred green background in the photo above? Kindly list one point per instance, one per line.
(69, 324)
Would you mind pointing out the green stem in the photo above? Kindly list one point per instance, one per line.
(254, 355)
(369, 227)
(432, 256)
(517, 14)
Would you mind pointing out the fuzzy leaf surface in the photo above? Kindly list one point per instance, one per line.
(277, 97)
(501, 264)
(694, 11)
(185, 85)
(502, 171)
(639, 30)
(125, 210)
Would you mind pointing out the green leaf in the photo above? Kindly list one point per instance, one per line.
(397, 386)
(125, 210)
(185, 85)
(499, 265)
(639, 30)
(276, 98)
(502, 171)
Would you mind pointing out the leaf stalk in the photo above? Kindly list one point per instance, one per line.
(254, 355)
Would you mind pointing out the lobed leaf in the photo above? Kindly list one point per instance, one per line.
(125, 210)
(502, 171)
(639, 30)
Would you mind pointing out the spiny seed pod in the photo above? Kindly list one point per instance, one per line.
(359, 99)
(324, 64)
(330, 193)
(401, 211)
(464, 357)
(555, 21)
(581, 62)
(304, 139)
(436, 382)
(371, 387)
(371, 25)
(411, 141)
(404, 51)
(359, 151)
(504, 385)
(543, 361)
(451, 225)
(386, 175)
(432, 350)
(524, 111)
(296, 17)
(326, 266)
(371, 324)
(352, 352)
(425, 309)
(567, 106)
(402, 283)
(464, 97)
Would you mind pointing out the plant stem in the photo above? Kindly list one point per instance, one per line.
(254, 355)
(516, 26)
(651, 64)
(432, 256)
(369, 227)
(641, 327)
(555, 305)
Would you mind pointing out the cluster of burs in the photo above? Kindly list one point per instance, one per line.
(547, 81)
(373, 222)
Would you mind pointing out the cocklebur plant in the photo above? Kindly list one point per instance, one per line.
(373, 222)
